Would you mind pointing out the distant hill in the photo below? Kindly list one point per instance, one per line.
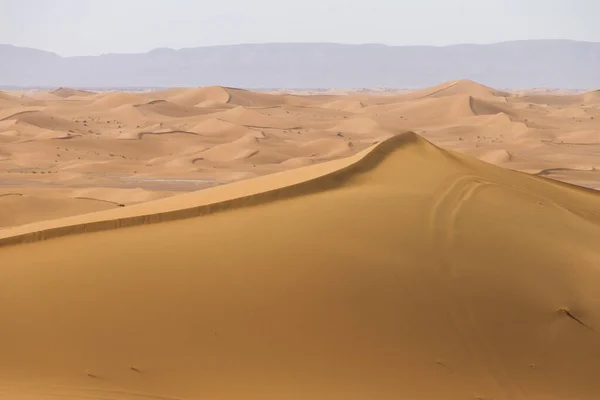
(521, 64)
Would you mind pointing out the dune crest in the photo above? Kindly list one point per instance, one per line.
(65, 93)
(497, 156)
(165, 108)
(459, 87)
(263, 189)
(113, 100)
(42, 120)
(197, 96)
(592, 98)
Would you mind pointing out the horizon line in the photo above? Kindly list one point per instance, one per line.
(302, 43)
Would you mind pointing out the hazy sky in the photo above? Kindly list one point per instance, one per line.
(85, 27)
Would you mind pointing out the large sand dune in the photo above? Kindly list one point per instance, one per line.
(218, 243)
(402, 272)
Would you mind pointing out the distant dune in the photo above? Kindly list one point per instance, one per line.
(165, 108)
(67, 93)
(201, 96)
(53, 144)
(460, 87)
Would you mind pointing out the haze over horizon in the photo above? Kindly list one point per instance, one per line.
(441, 46)
(525, 64)
(75, 28)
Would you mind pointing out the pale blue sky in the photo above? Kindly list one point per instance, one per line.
(88, 27)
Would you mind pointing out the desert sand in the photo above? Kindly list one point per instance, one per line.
(69, 152)
(422, 245)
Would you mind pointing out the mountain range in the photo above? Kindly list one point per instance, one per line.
(519, 64)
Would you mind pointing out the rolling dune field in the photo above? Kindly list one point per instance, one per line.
(216, 243)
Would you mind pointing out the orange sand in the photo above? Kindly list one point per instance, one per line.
(399, 270)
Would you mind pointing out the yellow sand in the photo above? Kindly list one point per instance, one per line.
(54, 144)
(398, 270)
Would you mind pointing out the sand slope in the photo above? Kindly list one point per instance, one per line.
(67, 93)
(368, 277)
(459, 87)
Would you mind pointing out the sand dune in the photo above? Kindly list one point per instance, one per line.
(482, 107)
(246, 98)
(221, 243)
(583, 99)
(7, 99)
(440, 109)
(67, 93)
(217, 126)
(198, 96)
(346, 105)
(297, 162)
(592, 98)
(181, 139)
(460, 87)
(41, 120)
(499, 156)
(113, 100)
(165, 108)
(430, 275)
(254, 118)
(18, 209)
(236, 150)
(590, 137)
(357, 125)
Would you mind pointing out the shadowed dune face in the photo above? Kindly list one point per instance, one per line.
(405, 271)
(164, 142)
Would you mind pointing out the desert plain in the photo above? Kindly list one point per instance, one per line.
(219, 243)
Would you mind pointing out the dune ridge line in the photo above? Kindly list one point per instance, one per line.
(325, 176)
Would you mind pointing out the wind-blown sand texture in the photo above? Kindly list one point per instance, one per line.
(69, 152)
(399, 270)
